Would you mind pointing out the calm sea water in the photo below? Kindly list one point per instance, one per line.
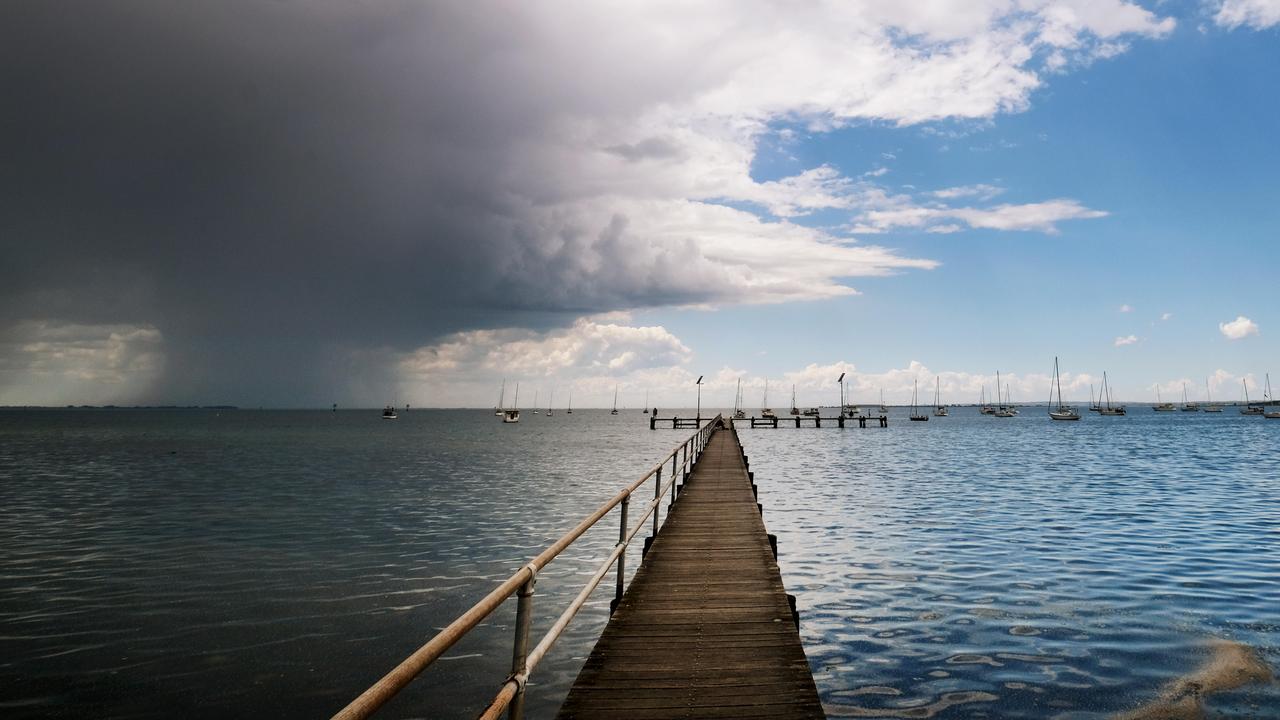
(274, 563)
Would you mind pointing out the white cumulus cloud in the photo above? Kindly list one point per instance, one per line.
(1257, 14)
(1239, 328)
(1126, 340)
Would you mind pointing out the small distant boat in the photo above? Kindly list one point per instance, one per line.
(1062, 411)
(811, 412)
(738, 412)
(1108, 409)
(916, 415)
(1161, 406)
(1268, 401)
(1249, 408)
(512, 415)
(388, 413)
(794, 410)
(646, 402)
(983, 406)
(551, 402)
(502, 399)
(883, 408)
(614, 411)
(765, 410)
(535, 402)
(1188, 406)
(569, 409)
(1208, 398)
(1002, 410)
(1096, 406)
(939, 410)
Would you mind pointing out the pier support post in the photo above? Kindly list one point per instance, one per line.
(841, 420)
(520, 650)
(657, 506)
(817, 421)
(622, 558)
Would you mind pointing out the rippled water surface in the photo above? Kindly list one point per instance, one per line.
(205, 564)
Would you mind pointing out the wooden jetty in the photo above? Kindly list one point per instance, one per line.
(706, 629)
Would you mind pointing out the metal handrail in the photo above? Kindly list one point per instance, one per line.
(511, 695)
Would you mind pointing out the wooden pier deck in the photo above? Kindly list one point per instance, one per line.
(705, 629)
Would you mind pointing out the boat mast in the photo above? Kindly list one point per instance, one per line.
(1057, 379)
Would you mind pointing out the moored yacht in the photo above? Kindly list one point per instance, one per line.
(1062, 411)
(939, 410)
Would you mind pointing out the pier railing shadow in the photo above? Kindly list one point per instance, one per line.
(510, 696)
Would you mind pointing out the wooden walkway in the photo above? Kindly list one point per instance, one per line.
(705, 630)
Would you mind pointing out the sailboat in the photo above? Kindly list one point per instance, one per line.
(1249, 408)
(1268, 401)
(1096, 406)
(569, 409)
(551, 402)
(738, 412)
(765, 410)
(850, 410)
(1161, 406)
(883, 408)
(535, 402)
(502, 399)
(794, 410)
(939, 410)
(646, 402)
(614, 411)
(983, 406)
(1108, 409)
(1209, 406)
(1188, 406)
(916, 415)
(388, 413)
(1062, 411)
(1008, 400)
(512, 415)
(1002, 410)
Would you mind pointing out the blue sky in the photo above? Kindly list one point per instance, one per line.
(1175, 139)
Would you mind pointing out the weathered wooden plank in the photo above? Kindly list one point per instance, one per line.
(705, 629)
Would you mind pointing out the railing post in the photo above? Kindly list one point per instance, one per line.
(622, 557)
(520, 651)
(674, 476)
(657, 505)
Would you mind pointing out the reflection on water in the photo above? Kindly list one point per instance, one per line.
(208, 564)
(988, 567)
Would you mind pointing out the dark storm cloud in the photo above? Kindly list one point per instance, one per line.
(270, 184)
